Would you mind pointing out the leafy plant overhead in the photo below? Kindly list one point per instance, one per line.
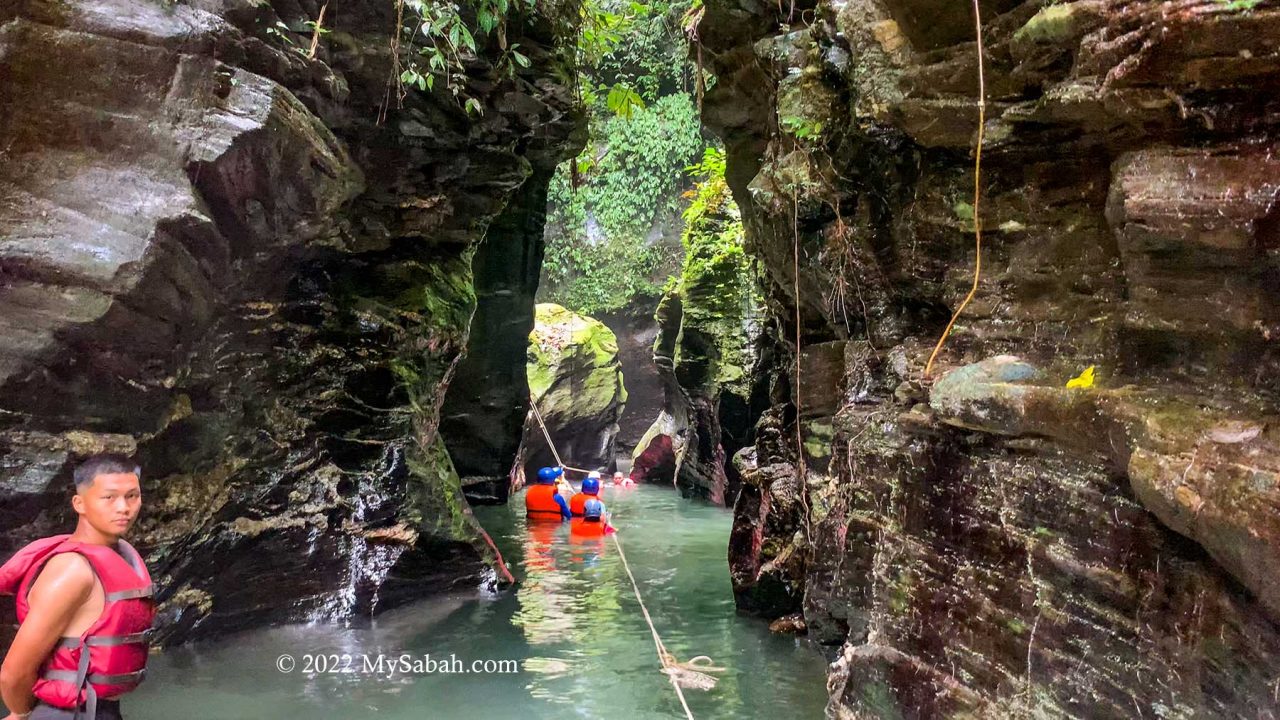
(604, 242)
(437, 41)
(613, 212)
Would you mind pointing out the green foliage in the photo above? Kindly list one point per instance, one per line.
(623, 101)
(710, 192)
(632, 177)
(281, 32)
(1239, 4)
(652, 56)
(604, 24)
(802, 128)
(714, 264)
(603, 207)
(592, 277)
(437, 34)
(641, 174)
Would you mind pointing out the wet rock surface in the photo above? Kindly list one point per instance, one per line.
(636, 330)
(253, 268)
(706, 347)
(575, 377)
(988, 542)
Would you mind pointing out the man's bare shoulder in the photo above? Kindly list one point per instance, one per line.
(65, 573)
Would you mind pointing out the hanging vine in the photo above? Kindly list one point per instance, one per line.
(977, 195)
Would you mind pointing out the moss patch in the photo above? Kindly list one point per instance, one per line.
(573, 366)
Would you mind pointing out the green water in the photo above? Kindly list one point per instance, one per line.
(572, 628)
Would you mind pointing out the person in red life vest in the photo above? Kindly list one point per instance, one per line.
(84, 606)
(594, 521)
(590, 491)
(620, 480)
(543, 502)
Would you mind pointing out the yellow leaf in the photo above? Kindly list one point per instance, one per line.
(1083, 380)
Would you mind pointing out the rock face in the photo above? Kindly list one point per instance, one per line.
(254, 269)
(636, 329)
(575, 377)
(488, 398)
(704, 352)
(988, 542)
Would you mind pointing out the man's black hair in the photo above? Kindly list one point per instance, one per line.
(103, 464)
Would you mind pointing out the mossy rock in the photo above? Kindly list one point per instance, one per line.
(1059, 25)
(564, 343)
(575, 377)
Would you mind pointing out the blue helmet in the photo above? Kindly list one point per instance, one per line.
(592, 509)
(591, 486)
(547, 475)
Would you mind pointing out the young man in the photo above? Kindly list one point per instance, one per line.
(84, 604)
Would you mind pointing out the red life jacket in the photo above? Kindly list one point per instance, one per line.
(109, 658)
(540, 502)
(578, 502)
(583, 527)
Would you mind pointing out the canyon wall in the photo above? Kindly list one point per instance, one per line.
(248, 261)
(986, 541)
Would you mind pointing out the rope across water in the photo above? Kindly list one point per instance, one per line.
(533, 404)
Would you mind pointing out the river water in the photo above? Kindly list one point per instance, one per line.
(572, 631)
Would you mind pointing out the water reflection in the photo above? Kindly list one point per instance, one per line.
(572, 624)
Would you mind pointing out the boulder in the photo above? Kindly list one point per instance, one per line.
(575, 378)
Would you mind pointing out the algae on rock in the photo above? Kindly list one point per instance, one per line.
(705, 350)
(575, 377)
(996, 544)
(255, 276)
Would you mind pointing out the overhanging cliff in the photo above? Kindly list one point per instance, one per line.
(253, 268)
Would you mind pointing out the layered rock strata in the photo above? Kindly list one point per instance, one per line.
(986, 542)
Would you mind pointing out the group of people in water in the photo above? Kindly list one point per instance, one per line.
(554, 500)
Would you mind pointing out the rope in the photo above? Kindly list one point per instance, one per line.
(977, 187)
(502, 565)
(664, 657)
(694, 671)
(533, 404)
(315, 36)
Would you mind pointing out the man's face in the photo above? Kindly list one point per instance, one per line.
(111, 503)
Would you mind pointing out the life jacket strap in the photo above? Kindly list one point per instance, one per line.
(96, 678)
(83, 679)
(129, 594)
(73, 641)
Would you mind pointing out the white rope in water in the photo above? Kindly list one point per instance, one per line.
(663, 655)
(533, 404)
